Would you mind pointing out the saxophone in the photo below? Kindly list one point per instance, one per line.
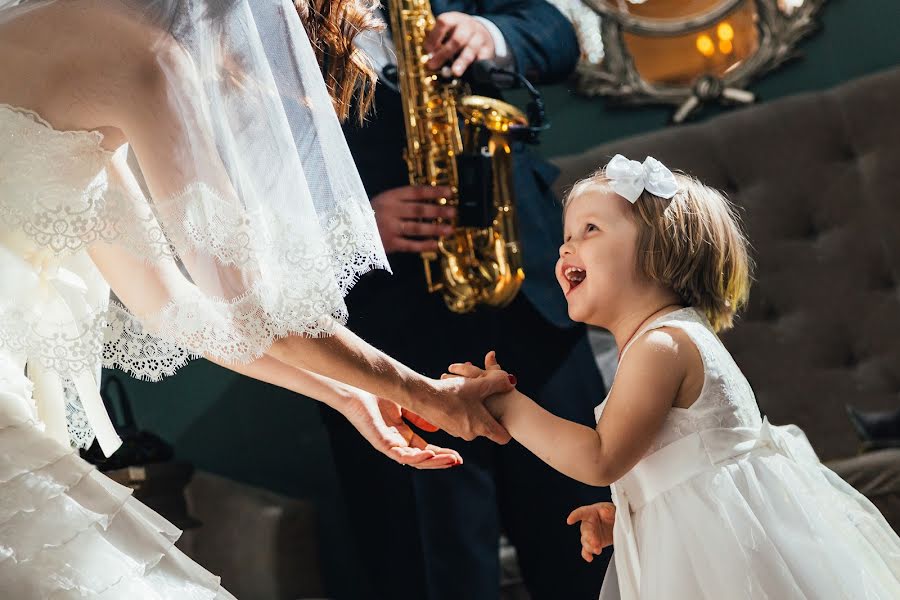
(480, 263)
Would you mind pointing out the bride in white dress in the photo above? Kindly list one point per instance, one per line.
(233, 233)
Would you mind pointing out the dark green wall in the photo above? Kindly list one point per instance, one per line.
(264, 436)
(857, 37)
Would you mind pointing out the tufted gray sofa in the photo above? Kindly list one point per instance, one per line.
(817, 177)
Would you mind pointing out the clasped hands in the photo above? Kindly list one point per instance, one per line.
(596, 521)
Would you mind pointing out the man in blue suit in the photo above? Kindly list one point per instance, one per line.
(433, 535)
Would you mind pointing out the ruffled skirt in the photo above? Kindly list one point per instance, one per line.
(67, 531)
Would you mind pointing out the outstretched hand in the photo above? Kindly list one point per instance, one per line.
(597, 522)
(386, 426)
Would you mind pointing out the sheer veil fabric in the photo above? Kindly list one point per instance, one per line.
(249, 222)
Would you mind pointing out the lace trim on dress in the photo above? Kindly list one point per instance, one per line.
(321, 257)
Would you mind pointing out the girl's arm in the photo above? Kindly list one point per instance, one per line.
(646, 385)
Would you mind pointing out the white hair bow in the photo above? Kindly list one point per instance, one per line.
(629, 178)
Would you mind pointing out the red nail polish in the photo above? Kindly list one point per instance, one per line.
(512, 379)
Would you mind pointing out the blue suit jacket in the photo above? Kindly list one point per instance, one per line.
(546, 50)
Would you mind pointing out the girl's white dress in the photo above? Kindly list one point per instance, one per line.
(724, 505)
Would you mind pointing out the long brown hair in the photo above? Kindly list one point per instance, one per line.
(331, 26)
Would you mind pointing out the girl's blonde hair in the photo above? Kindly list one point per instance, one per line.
(692, 243)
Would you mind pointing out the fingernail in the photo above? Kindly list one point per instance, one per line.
(512, 379)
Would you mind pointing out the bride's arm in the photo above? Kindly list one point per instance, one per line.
(379, 421)
(449, 404)
(454, 405)
(145, 287)
(153, 117)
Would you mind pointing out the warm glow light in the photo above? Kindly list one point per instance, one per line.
(705, 45)
(679, 59)
(725, 31)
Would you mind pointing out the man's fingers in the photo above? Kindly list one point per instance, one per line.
(442, 26)
(456, 42)
(406, 245)
(423, 229)
(586, 555)
(466, 57)
(486, 52)
(424, 210)
(418, 193)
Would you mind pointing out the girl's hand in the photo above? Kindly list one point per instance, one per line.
(470, 371)
(495, 404)
(457, 405)
(384, 424)
(597, 522)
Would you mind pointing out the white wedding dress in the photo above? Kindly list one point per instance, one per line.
(66, 531)
(238, 219)
(725, 506)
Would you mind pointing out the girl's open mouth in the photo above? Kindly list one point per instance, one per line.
(575, 276)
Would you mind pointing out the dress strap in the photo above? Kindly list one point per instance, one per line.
(661, 321)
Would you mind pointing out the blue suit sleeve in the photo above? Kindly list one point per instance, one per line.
(542, 40)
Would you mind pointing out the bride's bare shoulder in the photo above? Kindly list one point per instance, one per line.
(90, 44)
(86, 63)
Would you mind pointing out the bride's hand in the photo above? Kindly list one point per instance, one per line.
(470, 371)
(597, 522)
(382, 423)
(456, 405)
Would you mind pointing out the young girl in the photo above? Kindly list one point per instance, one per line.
(710, 500)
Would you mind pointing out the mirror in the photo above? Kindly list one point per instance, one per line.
(684, 52)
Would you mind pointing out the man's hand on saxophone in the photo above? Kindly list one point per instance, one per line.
(406, 215)
(460, 36)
